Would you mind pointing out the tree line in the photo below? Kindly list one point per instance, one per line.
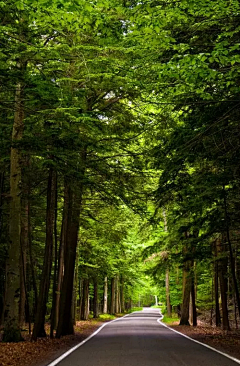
(111, 110)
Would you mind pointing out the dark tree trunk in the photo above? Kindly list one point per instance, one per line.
(65, 323)
(122, 295)
(32, 267)
(39, 330)
(61, 251)
(232, 259)
(53, 313)
(23, 261)
(169, 308)
(85, 299)
(95, 300)
(216, 292)
(184, 320)
(113, 297)
(193, 297)
(105, 295)
(222, 271)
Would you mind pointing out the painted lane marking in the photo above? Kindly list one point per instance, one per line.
(202, 344)
(64, 355)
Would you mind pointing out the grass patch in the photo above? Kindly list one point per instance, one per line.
(106, 317)
(170, 320)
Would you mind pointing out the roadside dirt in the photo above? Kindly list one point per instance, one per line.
(224, 341)
(44, 350)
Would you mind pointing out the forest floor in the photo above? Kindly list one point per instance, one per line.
(45, 350)
(224, 341)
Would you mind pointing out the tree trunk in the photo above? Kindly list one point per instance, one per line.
(85, 300)
(39, 330)
(117, 295)
(61, 251)
(65, 324)
(23, 260)
(193, 302)
(95, 300)
(105, 296)
(216, 293)
(222, 271)
(169, 308)
(2, 178)
(113, 297)
(12, 294)
(54, 295)
(32, 267)
(232, 259)
(187, 284)
(122, 296)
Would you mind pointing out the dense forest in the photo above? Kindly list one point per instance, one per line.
(119, 170)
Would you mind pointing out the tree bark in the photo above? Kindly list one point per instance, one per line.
(12, 294)
(105, 296)
(222, 271)
(169, 308)
(95, 300)
(61, 251)
(65, 324)
(122, 295)
(39, 330)
(23, 260)
(85, 300)
(216, 292)
(113, 297)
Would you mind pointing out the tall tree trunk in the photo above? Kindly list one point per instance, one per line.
(117, 295)
(65, 324)
(193, 300)
(232, 259)
(2, 178)
(169, 308)
(85, 300)
(222, 271)
(12, 294)
(32, 267)
(113, 297)
(105, 296)
(53, 312)
(216, 292)
(122, 295)
(61, 250)
(95, 300)
(23, 260)
(39, 330)
(184, 320)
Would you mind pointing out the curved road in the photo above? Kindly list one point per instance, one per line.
(138, 339)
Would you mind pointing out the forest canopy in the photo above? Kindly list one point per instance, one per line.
(119, 161)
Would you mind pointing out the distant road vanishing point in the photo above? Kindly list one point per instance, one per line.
(139, 339)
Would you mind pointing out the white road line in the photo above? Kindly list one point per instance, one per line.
(64, 355)
(202, 344)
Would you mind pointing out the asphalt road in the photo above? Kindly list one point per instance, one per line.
(139, 340)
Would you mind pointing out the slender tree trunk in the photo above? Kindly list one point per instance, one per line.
(23, 260)
(32, 267)
(216, 292)
(2, 178)
(61, 250)
(85, 300)
(113, 297)
(95, 300)
(169, 308)
(193, 301)
(53, 312)
(186, 296)
(222, 271)
(232, 259)
(65, 324)
(39, 330)
(12, 293)
(117, 295)
(105, 296)
(122, 296)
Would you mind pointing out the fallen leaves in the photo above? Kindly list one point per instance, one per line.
(44, 350)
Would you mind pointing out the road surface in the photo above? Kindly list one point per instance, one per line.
(138, 339)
